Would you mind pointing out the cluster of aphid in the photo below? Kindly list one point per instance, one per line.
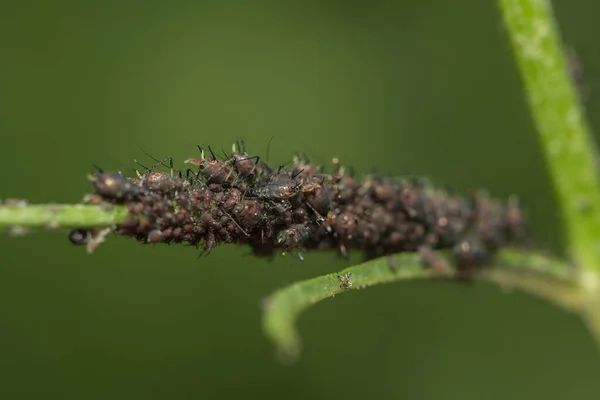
(240, 199)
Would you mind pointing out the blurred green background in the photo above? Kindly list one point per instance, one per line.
(424, 87)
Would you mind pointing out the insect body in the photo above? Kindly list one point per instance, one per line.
(278, 190)
(345, 280)
(115, 187)
(212, 169)
(293, 236)
(242, 162)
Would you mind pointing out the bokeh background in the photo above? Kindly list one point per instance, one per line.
(425, 87)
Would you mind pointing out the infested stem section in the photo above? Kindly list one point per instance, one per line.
(240, 200)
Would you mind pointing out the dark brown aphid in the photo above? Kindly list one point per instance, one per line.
(231, 199)
(293, 236)
(346, 225)
(318, 200)
(161, 181)
(115, 187)
(345, 280)
(154, 236)
(212, 169)
(249, 213)
(242, 162)
(471, 254)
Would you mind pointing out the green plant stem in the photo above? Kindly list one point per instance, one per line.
(530, 272)
(60, 215)
(565, 138)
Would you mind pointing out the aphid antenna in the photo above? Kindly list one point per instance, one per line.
(295, 254)
(298, 255)
(159, 162)
(99, 170)
(188, 178)
(227, 157)
(144, 168)
(196, 178)
(256, 158)
(319, 219)
(269, 148)
(323, 177)
(212, 153)
(296, 173)
(343, 251)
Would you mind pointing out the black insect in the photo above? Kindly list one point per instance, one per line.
(79, 237)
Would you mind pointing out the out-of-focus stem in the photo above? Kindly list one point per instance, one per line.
(19, 214)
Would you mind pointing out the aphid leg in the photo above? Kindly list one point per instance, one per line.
(296, 254)
(159, 162)
(234, 221)
(269, 147)
(227, 157)
(296, 173)
(95, 237)
(343, 251)
(320, 219)
(144, 168)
